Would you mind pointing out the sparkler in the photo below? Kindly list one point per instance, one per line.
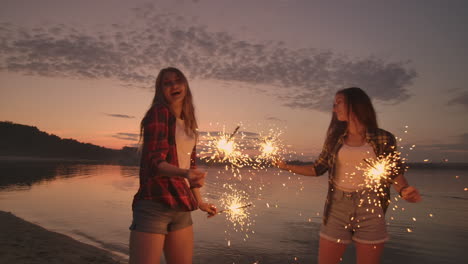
(224, 148)
(236, 201)
(235, 208)
(234, 133)
(378, 171)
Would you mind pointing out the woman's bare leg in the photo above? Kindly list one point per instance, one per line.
(178, 246)
(368, 253)
(145, 248)
(330, 252)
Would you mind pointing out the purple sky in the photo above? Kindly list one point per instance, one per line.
(85, 69)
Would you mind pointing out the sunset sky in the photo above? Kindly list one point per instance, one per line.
(86, 69)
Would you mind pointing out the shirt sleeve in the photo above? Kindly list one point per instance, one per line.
(321, 165)
(156, 132)
(391, 149)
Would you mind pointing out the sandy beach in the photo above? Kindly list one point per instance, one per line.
(24, 242)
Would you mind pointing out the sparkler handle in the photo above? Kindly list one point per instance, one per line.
(230, 209)
(233, 133)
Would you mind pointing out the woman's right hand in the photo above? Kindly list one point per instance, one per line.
(196, 178)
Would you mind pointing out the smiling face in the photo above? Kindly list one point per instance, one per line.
(340, 107)
(174, 88)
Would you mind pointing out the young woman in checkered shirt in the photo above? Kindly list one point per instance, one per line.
(169, 178)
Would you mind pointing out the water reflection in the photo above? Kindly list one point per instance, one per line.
(22, 175)
(92, 203)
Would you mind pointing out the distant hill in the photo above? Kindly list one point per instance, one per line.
(24, 140)
(28, 141)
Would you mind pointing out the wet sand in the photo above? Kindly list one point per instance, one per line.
(24, 242)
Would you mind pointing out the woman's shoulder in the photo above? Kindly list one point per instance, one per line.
(158, 113)
(159, 110)
(383, 132)
(383, 136)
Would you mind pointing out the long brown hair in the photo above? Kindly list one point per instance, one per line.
(360, 104)
(188, 110)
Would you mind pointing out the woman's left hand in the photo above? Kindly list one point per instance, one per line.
(411, 194)
(209, 208)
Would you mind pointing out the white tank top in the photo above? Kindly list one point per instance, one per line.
(184, 143)
(347, 176)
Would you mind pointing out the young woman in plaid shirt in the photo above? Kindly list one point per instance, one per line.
(169, 178)
(353, 212)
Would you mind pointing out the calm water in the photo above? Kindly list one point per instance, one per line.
(92, 203)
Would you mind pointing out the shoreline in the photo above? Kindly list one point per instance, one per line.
(25, 242)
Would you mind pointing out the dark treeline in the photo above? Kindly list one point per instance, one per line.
(29, 141)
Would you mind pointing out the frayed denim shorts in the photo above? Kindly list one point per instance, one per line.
(154, 217)
(355, 216)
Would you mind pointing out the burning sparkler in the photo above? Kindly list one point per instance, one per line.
(223, 147)
(271, 148)
(235, 208)
(378, 171)
(236, 203)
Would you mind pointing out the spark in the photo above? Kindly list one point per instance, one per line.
(236, 203)
(378, 171)
(223, 147)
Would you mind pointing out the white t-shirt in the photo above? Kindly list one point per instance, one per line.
(348, 177)
(184, 143)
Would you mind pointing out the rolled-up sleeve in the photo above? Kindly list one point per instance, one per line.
(321, 164)
(391, 149)
(156, 132)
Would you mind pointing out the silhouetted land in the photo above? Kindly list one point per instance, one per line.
(18, 140)
(29, 142)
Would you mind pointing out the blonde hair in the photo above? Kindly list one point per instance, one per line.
(188, 110)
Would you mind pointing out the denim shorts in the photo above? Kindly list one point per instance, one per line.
(355, 216)
(154, 217)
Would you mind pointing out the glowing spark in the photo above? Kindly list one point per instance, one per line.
(269, 149)
(224, 148)
(236, 202)
(378, 171)
(409, 230)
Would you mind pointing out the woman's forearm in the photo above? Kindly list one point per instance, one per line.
(306, 170)
(167, 169)
(197, 194)
(399, 183)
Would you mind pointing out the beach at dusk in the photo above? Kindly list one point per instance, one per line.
(264, 78)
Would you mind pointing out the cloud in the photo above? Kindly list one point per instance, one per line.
(127, 136)
(461, 99)
(119, 115)
(134, 52)
(273, 118)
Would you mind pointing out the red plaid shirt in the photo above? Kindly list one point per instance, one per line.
(159, 145)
